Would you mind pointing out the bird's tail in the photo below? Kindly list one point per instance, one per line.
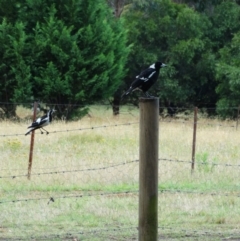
(126, 93)
(29, 131)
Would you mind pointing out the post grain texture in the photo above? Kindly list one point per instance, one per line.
(148, 169)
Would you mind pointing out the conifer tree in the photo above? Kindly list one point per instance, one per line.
(15, 73)
(78, 52)
(74, 53)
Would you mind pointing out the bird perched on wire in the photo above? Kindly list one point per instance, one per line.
(41, 122)
(145, 79)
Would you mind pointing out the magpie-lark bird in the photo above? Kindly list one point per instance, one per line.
(145, 79)
(41, 122)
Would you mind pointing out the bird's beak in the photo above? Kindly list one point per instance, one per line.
(163, 65)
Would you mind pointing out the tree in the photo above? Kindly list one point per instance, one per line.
(225, 22)
(76, 52)
(201, 5)
(9, 10)
(83, 52)
(228, 75)
(174, 34)
(117, 8)
(15, 73)
(225, 41)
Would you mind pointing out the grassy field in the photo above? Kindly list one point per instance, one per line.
(84, 180)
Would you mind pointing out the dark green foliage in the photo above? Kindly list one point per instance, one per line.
(15, 73)
(226, 39)
(188, 38)
(228, 75)
(174, 34)
(81, 43)
(75, 53)
(9, 9)
(225, 22)
(202, 5)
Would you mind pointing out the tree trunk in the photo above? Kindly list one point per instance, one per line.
(116, 104)
(117, 6)
(9, 111)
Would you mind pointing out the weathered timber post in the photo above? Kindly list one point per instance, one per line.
(32, 142)
(148, 169)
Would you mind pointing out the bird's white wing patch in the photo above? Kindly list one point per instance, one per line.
(152, 66)
(151, 74)
(145, 79)
(38, 120)
(44, 119)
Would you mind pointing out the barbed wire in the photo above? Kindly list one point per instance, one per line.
(178, 191)
(60, 166)
(69, 171)
(112, 166)
(201, 163)
(7, 135)
(52, 199)
(131, 192)
(78, 129)
(198, 123)
(122, 124)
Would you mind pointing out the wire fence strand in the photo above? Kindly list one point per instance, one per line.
(77, 129)
(111, 166)
(85, 186)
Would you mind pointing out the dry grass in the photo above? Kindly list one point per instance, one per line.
(94, 161)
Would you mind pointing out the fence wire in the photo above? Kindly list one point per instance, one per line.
(84, 181)
(111, 166)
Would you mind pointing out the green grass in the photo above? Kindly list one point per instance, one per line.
(76, 167)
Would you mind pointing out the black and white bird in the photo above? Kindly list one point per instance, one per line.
(41, 122)
(145, 79)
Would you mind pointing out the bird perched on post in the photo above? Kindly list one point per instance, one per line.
(41, 122)
(145, 79)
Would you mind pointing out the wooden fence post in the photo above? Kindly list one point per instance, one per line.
(32, 142)
(194, 138)
(148, 169)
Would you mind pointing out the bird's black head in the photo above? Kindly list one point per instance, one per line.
(159, 65)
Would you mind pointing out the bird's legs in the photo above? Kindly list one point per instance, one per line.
(44, 130)
(40, 130)
(147, 95)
